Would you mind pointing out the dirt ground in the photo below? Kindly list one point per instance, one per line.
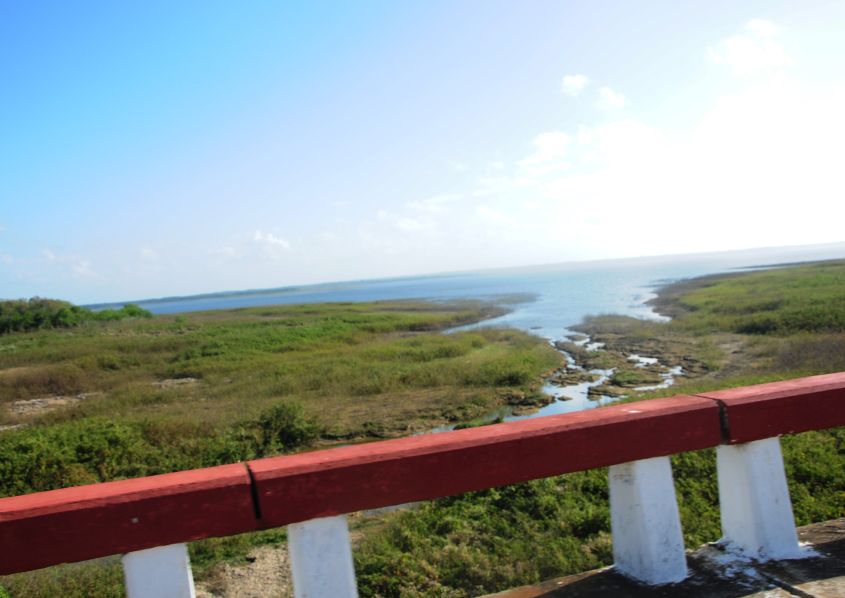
(267, 576)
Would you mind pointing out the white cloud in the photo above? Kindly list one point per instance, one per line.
(458, 166)
(7, 258)
(48, 255)
(762, 28)
(758, 168)
(753, 53)
(611, 99)
(573, 85)
(148, 254)
(550, 150)
(270, 239)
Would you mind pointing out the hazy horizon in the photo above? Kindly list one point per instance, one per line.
(799, 253)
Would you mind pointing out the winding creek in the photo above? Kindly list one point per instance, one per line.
(569, 398)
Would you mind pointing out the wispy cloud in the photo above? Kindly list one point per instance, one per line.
(573, 85)
(754, 52)
(270, 239)
(77, 267)
(550, 151)
(611, 99)
(603, 181)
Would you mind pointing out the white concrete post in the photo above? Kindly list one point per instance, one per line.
(163, 572)
(754, 499)
(321, 559)
(647, 541)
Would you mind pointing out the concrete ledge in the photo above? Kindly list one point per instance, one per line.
(715, 573)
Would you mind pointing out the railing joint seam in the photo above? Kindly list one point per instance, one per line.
(723, 418)
(253, 489)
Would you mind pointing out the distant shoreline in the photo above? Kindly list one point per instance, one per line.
(792, 254)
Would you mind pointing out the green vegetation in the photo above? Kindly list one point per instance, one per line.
(209, 388)
(779, 301)
(494, 539)
(488, 541)
(177, 392)
(26, 315)
(221, 387)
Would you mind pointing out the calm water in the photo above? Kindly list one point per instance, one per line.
(562, 294)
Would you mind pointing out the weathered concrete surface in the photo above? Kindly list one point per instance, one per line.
(719, 574)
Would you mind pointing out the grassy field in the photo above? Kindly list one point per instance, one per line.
(488, 541)
(377, 370)
(178, 392)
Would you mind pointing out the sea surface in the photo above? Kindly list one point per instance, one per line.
(553, 296)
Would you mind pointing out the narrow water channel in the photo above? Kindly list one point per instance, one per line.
(574, 397)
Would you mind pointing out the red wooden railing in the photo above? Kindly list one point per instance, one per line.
(74, 524)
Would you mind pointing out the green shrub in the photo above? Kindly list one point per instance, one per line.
(26, 315)
(284, 428)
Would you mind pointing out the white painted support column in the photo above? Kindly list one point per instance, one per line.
(754, 500)
(163, 572)
(321, 559)
(647, 541)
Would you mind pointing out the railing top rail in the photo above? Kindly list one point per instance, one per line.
(85, 522)
(787, 407)
(342, 480)
(73, 524)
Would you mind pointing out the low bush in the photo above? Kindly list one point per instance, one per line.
(26, 315)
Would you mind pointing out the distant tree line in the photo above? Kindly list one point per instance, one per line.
(24, 315)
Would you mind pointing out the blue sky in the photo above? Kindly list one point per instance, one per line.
(164, 148)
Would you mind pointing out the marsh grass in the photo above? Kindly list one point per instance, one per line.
(488, 541)
(485, 541)
(195, 390)
(208, 388)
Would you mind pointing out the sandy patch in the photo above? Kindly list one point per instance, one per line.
(32, 407)
(175, 382)
(268, 575)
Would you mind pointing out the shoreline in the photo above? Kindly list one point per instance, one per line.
(606, 363)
